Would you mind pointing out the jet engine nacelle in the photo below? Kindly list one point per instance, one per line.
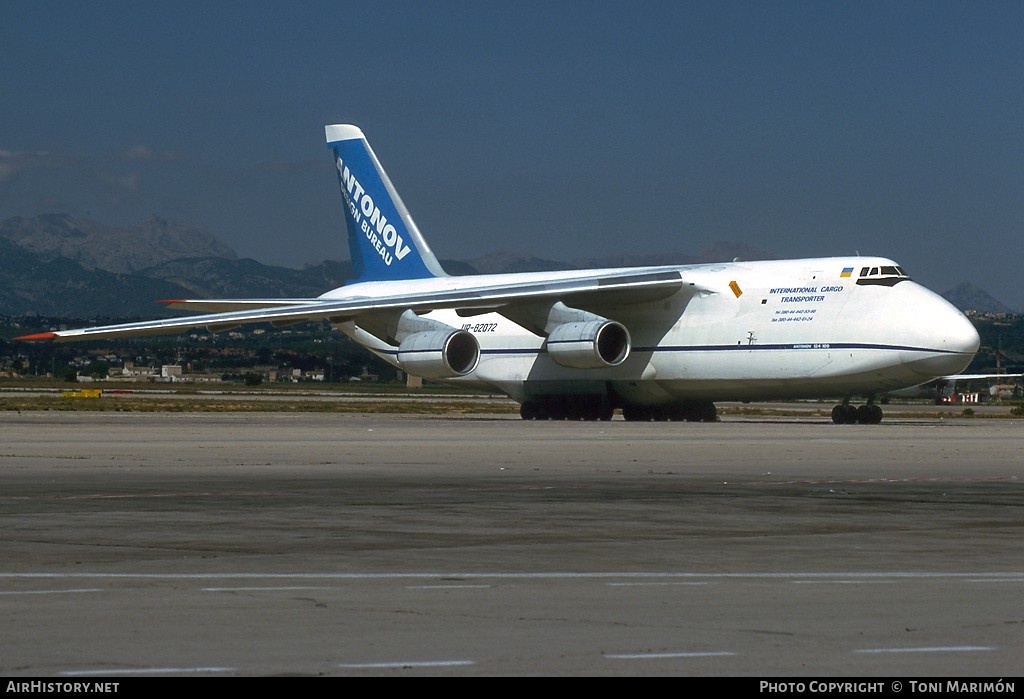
(439, 354)
(592, 344)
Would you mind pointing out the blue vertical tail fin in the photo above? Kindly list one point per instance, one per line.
(383, 240)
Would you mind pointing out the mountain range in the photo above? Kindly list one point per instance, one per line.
(65, 266)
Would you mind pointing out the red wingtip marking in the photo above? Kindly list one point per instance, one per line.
(168, 302)
(37, 336)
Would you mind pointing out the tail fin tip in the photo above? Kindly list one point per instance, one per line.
(342, 132)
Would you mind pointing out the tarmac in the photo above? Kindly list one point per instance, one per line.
(280, 544)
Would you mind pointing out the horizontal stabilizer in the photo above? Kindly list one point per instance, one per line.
(225, 305)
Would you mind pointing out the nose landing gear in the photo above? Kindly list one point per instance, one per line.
(846, 414)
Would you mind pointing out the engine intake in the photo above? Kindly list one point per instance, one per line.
(439, 354)
(593, 344)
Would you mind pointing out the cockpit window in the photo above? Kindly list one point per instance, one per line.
(886, 275)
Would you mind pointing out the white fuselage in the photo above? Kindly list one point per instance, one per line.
(736, 331)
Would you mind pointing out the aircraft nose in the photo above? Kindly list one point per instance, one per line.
(962, 336)
(949, 340)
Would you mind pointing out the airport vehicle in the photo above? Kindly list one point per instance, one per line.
(659, 343)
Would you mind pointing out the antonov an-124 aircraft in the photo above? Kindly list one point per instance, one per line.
(659, 343)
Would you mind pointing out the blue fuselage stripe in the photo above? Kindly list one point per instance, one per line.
(830, 346)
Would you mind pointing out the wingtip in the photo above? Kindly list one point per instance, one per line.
(36, 337)
(169, 302)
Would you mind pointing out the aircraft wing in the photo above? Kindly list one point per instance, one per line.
(613, 288)
(978, 377)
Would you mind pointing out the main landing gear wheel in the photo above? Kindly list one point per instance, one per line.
(689, 411)
(583, 407)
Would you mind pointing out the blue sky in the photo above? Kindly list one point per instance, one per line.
(558, 129)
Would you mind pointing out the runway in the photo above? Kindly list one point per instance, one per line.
(349, 545)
